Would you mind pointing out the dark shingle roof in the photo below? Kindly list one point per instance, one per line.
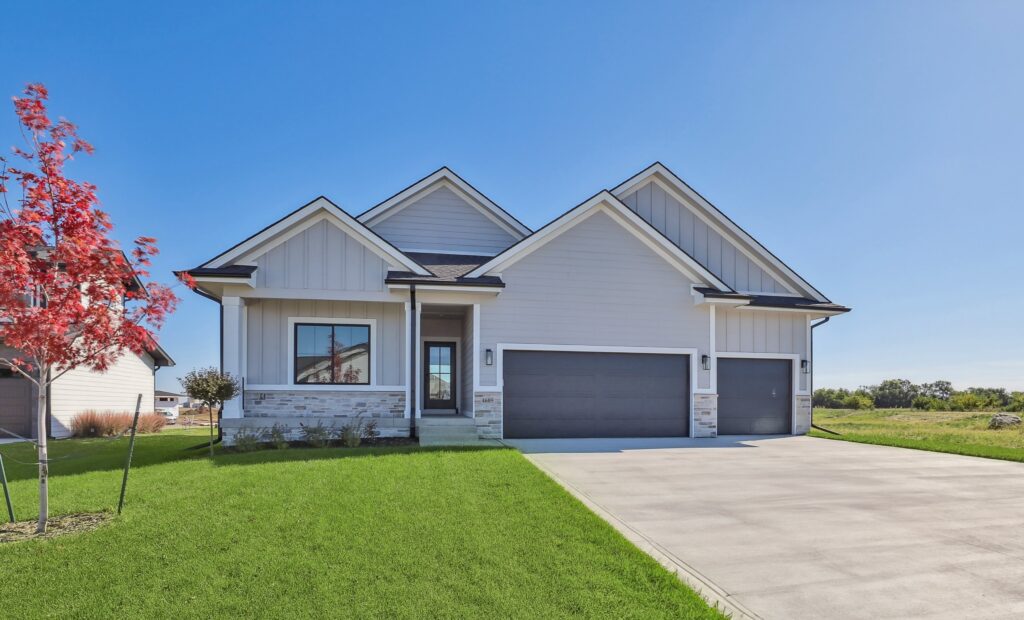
(446, 269)
(229, 271)
(774, 301)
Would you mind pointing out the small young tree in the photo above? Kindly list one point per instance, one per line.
(69, 297)
(210, 387)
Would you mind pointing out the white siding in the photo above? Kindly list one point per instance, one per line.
(321, 257)
(114, 390)
(441, 221)
(595, 284)
(753, 331)
(719, 255)
(267, 351)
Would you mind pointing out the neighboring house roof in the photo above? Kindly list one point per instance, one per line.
(773, 301)
(445, 269)
(278, 229)
(163, 393)
(673, 183)
(467, 192)
(160, 357)
(603, 201)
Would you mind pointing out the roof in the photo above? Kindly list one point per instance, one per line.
(773, 301)
(445, 269)
(163, 393)
(228, 271)
(160, 357)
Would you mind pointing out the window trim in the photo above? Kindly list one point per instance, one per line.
(294, 322)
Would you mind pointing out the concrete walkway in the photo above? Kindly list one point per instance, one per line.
(799, 527)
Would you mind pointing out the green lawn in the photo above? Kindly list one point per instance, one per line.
(938, 431)
(375, 532)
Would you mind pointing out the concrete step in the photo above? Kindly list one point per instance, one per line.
(446, 421)
(448, 432)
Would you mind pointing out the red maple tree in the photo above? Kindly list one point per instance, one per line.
(69, 296)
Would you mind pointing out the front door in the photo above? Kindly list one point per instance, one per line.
(439, 375)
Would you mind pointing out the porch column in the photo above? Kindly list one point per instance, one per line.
(419, 363)
(232, 345)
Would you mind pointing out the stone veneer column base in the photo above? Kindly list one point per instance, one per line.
(487, 414)
(705, 415)
(802, 415)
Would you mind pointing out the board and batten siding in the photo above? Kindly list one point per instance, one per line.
(115, 389)
(441, 221)
(466, 370)
(267, 353)
(321, 257)
(753, 331)
(708, 247)
(595, 284)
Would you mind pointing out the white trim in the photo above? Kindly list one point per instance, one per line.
(444, 177)
(458, 253)
(268, 387)
(691, 352)
(405, 357)
(346, 222)
(798, 310)
(713, 354)
(718, 220)
(621, 214)
(453, 289)
(796, 391)
(382, 296)
(320, 320)
(245, 346)
(457, 379)
(477, 354)
(223, 280)
(419, 360)
(797, 295)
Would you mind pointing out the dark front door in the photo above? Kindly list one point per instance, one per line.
(573, 394)
(755, 396)
(439, 375)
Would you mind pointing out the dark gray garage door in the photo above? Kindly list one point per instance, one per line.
(569, 394)
(15, 404)
(754, 396)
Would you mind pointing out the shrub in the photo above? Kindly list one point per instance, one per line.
(278, 436)
(353, 433)
(966, 401)
(1016, 402)
(830, 398)
(151, 423)
(247, 441)
(930, 403)
(318, 435)
(858, 401)
(109, 423)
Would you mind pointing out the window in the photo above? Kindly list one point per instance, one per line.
(332, 354)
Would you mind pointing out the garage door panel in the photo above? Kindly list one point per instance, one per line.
(755, 396)
(576, 394)
(15, 406)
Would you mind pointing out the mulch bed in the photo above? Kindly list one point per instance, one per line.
(57, 526)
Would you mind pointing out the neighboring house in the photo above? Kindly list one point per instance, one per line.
(643, 311)
(79, 390)
(169, 403)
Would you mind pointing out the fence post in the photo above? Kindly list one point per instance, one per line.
(131, 448)
(7, 492)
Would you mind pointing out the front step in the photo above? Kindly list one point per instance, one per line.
(447, 430)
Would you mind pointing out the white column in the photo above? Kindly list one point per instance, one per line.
(408, 362)
(232, 349)
(419, 362)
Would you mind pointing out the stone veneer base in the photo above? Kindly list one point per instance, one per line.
(487, 414)
(705, 415)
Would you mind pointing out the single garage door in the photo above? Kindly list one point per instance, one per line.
(755, 396)
(571, 394)
(15, 404)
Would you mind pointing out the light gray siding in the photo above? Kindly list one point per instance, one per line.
(466, 370)
(321, 257)
(718, 254)
(441, 221)
(752, 331)
(595, 284)
(267, 351)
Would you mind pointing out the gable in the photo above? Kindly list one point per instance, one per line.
(440, 220)
(718, 253)
(320, 256)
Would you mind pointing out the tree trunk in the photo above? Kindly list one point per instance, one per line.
(44, 466)
(209, 408)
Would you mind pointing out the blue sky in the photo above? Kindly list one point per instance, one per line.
(877, 147)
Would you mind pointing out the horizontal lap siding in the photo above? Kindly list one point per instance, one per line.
(718, 254)
(441, 221)
(595, 284)
(321, 257)
(267, 351)
(114, 390)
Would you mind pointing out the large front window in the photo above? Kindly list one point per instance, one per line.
(332, 354)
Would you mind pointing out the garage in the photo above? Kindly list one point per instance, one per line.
(15, 404)
(755, 396)
(595, 394)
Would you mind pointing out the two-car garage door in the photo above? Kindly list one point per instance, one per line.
(595, 394)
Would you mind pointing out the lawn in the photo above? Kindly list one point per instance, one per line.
(939, 431)
(369, 532)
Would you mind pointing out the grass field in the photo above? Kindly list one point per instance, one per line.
(939, 431)
(374, 532)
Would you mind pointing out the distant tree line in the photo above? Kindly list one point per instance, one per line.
(936, 396)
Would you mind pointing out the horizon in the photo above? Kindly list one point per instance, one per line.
(876, 159)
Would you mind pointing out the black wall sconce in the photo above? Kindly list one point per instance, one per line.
(705, 362)
(489, 357)
(805, 367)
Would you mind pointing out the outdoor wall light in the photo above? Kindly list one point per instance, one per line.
(489, 357)
(805, 367)
(705, 362)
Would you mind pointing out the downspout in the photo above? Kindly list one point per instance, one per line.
(810, 380)
(412, 360)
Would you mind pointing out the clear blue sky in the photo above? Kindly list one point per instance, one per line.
(877, 147)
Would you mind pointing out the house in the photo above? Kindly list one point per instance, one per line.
(168, 403)
(642, 311)
(116, 389)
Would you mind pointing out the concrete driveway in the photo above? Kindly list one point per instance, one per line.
(799, 527)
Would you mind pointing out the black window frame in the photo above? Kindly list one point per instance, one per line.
(369, 352)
